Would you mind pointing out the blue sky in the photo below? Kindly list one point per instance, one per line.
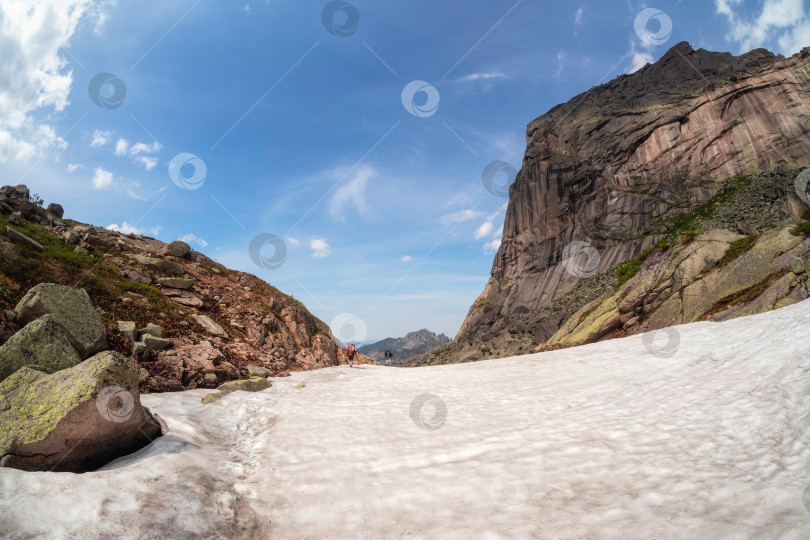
(300, 129)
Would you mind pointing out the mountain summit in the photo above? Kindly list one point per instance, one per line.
(404, 347)
(618, 169)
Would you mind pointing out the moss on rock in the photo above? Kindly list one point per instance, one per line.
(254, 384)
(72, 309)
(73, 419)
(40, 343)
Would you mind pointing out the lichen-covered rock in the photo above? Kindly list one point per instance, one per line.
(684, 285)
(72, 309)
(177, 248)
(259, 371)
(210, 326)
(153, 330)
(176, 283)
(41, 343)
(76, 419)
(128, 329)
(154, 343)
(160, 265)
(254, 384)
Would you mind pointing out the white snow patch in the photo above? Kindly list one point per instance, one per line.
(601, 441)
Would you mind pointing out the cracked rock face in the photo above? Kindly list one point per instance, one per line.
(606, 166)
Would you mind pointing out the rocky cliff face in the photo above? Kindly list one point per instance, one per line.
(606, 175)
(189, 321)
(612, 163)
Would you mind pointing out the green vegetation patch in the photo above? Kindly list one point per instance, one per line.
(625, 271)
(737, 249)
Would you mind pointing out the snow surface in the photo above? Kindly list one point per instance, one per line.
(604, 441)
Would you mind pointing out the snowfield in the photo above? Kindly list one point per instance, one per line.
(701, 432)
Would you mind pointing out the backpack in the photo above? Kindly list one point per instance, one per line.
(351, 349)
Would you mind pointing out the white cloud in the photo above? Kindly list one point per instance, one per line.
(102, 179)
(640, 59)
(194, 239)
(121, 147)
(781, 22)
(293, 241)
(126, 228)
(100, 138)
(460, 216)
(73, 167)
(351, 197)
(147, 162)
(247, 9)
(484, 76)
(155, 230)
(35, 141)
(484, 230)
(34, 73)
(143, 148)
(578, 18)
(493, 245)
(320, 248)
(562, 59)
(406, 258)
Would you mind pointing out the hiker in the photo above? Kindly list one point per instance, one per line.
(388, 356)
(351, 352)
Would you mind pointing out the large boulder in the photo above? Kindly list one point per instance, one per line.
(41, 345)
(72, 309)
(159, 265)
(76, 419)
(20, 238)
(176, 283)
(210, 326)
(56, 209)
(178, 248)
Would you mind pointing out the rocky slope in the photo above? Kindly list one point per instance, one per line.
(609, 174)
(412, 343)
(209, 324)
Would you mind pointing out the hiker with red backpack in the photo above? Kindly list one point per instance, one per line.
(351, 352)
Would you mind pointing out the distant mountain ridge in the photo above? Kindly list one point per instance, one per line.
(413, 343)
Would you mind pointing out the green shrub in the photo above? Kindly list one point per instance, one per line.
(627, 270)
